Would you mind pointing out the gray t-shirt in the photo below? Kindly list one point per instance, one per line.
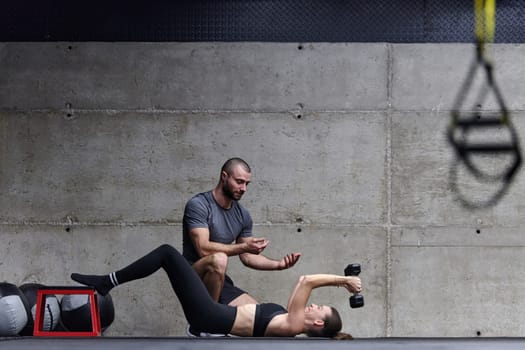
(225, 225)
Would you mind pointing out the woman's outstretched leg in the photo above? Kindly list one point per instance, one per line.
(200, 310)
(141, 268)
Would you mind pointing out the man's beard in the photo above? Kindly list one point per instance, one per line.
(227, 191)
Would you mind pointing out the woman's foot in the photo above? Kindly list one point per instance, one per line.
(102, 284)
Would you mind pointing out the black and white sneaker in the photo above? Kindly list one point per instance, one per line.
(195, 334)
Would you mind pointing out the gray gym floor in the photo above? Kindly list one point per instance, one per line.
(174, 343)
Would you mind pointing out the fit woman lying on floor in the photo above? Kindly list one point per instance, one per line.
(253, 320)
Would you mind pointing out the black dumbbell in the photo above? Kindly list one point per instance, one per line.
(357, 299)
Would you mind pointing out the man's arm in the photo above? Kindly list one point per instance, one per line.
(204, 247)
(260, 262)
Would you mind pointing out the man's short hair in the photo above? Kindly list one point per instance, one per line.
(232, 163)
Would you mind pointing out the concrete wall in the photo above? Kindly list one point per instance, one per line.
(103, 143)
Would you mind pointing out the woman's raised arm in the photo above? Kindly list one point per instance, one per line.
(303, 289)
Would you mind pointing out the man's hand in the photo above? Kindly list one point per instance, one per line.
(289, 260)
(256, 245)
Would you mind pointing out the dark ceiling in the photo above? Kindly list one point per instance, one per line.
(399, 21)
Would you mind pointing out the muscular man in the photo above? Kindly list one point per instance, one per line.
(216, 226)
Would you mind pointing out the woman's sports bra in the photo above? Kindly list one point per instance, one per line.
(264, 313)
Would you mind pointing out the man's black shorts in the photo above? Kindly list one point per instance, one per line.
(229, 291)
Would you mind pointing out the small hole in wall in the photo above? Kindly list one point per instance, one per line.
(478, 333)
(299, 230)
(478, 231)
(68, 229)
